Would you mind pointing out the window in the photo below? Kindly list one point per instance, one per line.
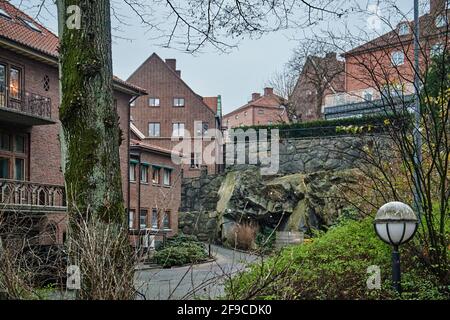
(260, 111)
(437, 49)
(5, 142)
(46, 82)
(3, 13)
(398, 58)
(236, 117)
(368, 96)
(2, 85)
(132, 171)
(166, 176)
(155, 224)
(19, 145)
(155, 175)
(201, 128)
(4, 168)
(245, 113)
(178, 129)
(31, 25)
(13, 155)
(153, 102)
(178, 102)
(403, 28)
(269, 122)
(154, 129)
(196, 160)
(19, 169)
(166, 220)
(144, 173)
(441, 21)
(131, 219)
(143, 218)
(14, 83)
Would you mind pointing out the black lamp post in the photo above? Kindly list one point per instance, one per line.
(395, 223)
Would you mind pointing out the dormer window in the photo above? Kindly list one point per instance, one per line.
(403, 29)
(31, 25)
(441, 21)
(3, 13)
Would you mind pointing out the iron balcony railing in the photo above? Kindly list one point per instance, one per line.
(26, 102)
(366, 108)
(27, 195)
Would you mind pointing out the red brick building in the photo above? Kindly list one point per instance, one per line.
(155, 188)
(263, 109)
(172, 109)
(320, 76)
(384, 66)
(31, 179)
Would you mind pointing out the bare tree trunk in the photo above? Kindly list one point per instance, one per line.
(90, 125)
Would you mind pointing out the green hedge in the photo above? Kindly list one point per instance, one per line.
(334, 266)
(324, 127)
(181, 250)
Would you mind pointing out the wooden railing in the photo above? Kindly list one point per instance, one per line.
(24, 195)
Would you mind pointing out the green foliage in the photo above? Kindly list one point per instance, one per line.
(181, 250)
(265, 239)
(371, 124)
(333, 266)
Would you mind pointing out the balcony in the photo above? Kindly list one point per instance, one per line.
(31, 197)
(28, 110)
(369, 108)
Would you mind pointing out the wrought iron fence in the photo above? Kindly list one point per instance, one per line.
(23, 193)
(27, 102)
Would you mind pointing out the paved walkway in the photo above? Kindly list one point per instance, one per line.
(192, 282)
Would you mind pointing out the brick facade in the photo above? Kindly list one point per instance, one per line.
(319, 74)
(261, 110)
(163, 82)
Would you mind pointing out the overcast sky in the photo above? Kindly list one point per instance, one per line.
(233, 75)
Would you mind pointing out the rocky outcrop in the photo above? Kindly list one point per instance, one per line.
(294, 202)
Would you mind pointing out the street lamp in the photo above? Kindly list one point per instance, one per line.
(395, 223)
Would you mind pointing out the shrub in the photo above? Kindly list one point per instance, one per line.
(265, 239)
(242, 236)
(181, 250)
(334, 266)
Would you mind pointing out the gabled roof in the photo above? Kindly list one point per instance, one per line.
(14, 30)
(393, 38)
(271, 101)
(156, 57)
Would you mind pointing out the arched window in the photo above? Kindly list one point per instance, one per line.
(403, 28)
(398, 58)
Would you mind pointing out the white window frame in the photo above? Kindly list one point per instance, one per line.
(167, 176)
(441, 21)
(144, 173)
(154, 102)
(155, 124)
(155, 215)
(178, 129)
(131, 219)
(132, 173)
(397, 58)
(143, 225)
(178, 102)
(437, 49)
(403, 29)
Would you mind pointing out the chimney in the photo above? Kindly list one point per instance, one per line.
(172, 63)
(268, 91)
(330, 55)
(178, 73)
(255, 96)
